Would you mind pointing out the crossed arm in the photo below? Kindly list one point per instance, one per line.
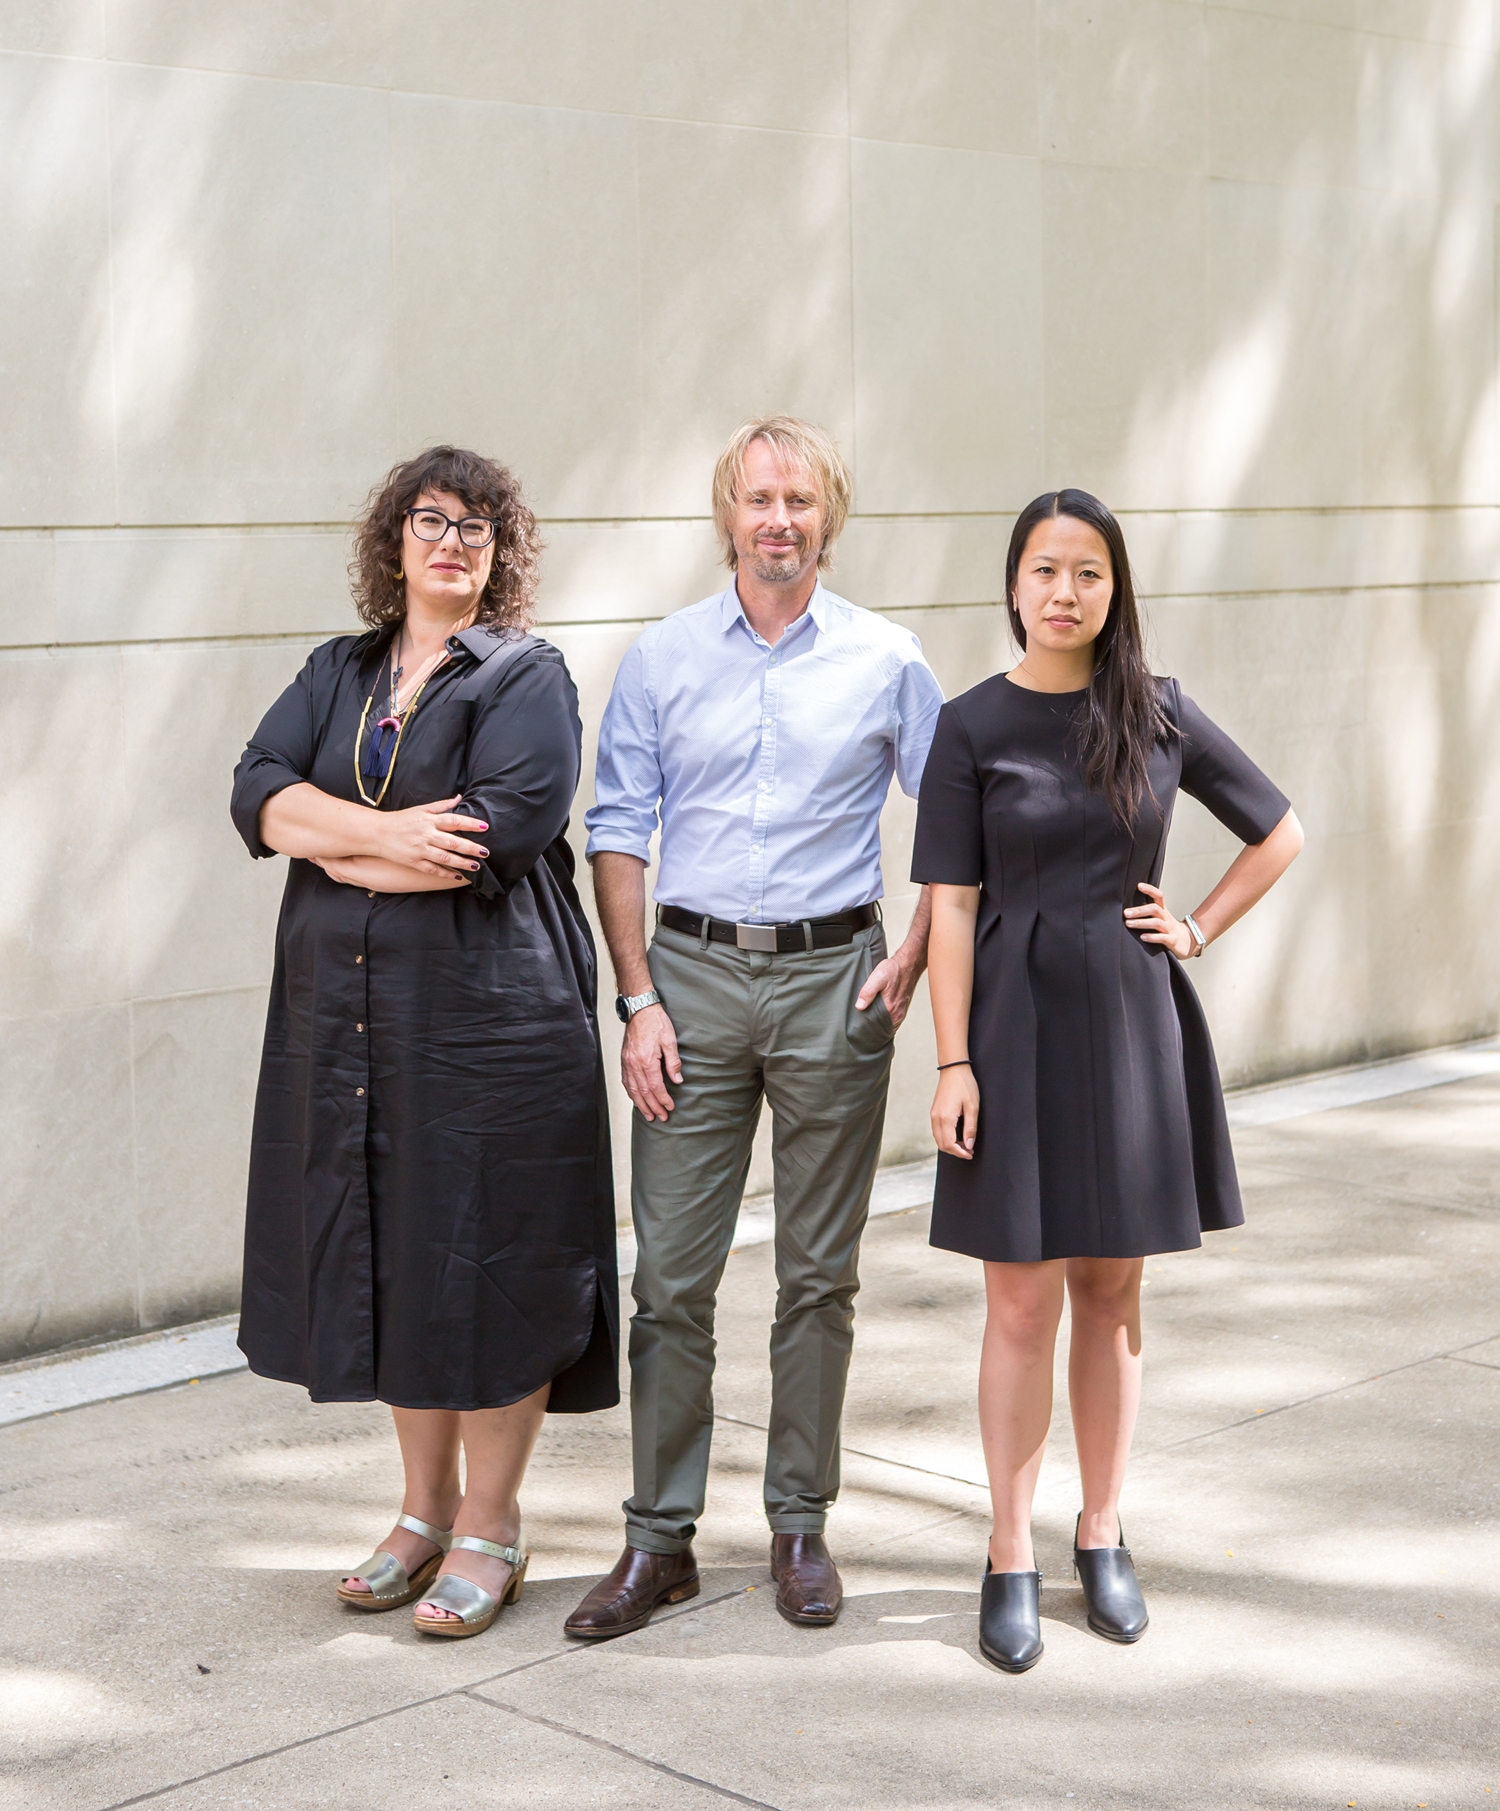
(414, 851)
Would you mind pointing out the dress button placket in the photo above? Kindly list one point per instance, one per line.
(361, 1051)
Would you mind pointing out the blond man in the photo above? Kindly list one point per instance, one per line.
(761, 728)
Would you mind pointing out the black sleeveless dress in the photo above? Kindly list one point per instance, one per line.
(1102, 1130)
(431, 1212)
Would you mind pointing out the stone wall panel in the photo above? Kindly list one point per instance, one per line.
(509, 227)
(1233, 270)
(56, 350)
(948, 329)
(251, 296)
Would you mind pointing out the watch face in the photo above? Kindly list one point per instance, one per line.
(622, 1011)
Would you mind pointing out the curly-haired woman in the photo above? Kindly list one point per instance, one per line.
(431, 1218)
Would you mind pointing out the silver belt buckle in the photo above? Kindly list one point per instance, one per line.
(755, 937)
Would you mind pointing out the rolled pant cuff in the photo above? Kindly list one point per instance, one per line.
(645, 1541)
(801, 1523)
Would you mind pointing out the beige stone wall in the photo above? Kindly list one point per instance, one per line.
(1232, 269)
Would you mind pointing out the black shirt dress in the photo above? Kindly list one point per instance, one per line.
(1102, 1130)
(431, 1210)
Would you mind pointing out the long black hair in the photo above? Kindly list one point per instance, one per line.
(1123, 720)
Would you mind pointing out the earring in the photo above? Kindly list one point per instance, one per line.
(400, 572)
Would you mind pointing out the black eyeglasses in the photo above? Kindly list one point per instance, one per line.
(432, 525)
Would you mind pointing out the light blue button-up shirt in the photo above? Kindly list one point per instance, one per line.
(766, 766)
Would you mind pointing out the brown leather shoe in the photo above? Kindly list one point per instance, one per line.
(808, 1587)
(640, 1583)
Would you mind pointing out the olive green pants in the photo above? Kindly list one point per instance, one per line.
(753, 1027)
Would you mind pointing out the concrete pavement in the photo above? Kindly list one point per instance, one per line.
(1314, 1510)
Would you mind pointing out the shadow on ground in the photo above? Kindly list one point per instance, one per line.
(1313, 1510)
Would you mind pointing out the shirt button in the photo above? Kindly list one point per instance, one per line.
(763, 787)
(765, 720)
(359, 958)
(359, 1027)
(359, 1090)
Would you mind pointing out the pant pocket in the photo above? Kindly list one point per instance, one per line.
(870, 1031)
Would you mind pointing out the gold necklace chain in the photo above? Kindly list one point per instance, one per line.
(359, 740)
(432, 663)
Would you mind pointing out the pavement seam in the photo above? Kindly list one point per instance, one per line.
(628, 1754)
(270, 1754)
(101, 1348)
(1356, 1383)
(909, 1534)
(1207, 1433)
(453, 1691)
(856, 1452)
(1396, 1197)
(99, 1402)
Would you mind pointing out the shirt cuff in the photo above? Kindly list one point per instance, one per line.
(259, 785)
(482, 880)
(617, 842)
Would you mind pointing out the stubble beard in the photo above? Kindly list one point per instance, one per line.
(783, 571)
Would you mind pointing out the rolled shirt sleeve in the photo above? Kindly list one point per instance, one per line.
(628, 775)
(524, 757)
(280, 754)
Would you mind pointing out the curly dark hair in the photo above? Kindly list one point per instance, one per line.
(489, 490)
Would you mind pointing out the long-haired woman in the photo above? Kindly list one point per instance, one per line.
(431, 1215)
(1078, 1114)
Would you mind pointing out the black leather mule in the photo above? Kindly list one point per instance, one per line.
(1010, 1624)
(1110, 1589)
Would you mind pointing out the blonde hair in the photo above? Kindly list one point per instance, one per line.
(797, 443)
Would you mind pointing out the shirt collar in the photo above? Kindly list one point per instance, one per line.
(731, 611)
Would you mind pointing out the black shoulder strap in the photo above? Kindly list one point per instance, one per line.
(496, 650)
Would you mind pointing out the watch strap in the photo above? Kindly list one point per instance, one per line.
(628, 1005)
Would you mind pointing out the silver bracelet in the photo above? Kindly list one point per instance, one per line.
(1192, 924)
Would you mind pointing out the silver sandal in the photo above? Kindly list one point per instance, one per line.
(390, 1584)
(475, 1607)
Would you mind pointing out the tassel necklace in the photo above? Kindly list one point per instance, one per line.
(379, 762)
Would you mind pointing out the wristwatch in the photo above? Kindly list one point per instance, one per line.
(628, 1005)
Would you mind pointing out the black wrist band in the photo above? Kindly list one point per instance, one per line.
(962, 1063)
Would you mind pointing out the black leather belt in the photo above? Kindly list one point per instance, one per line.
(778, 939)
